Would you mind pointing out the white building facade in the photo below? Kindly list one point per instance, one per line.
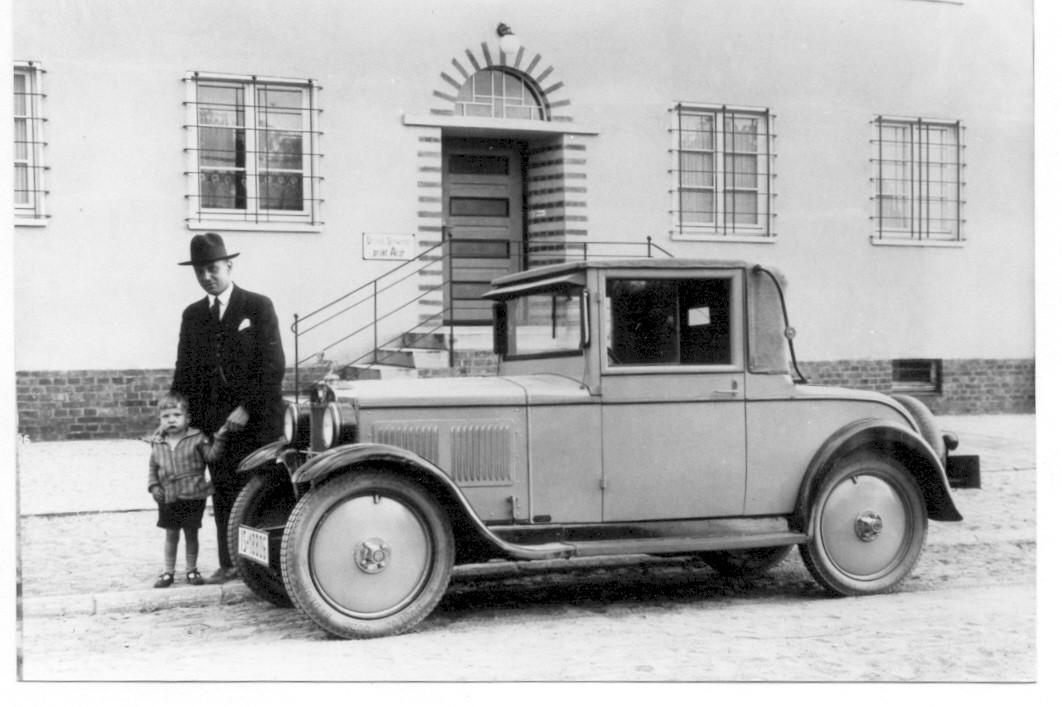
(878, 152)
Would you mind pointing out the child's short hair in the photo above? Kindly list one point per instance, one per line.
(171, 400)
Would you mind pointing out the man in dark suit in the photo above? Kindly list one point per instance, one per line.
(230, 367)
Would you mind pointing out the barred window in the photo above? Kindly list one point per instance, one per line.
(917, 177)
(253, 146)
(29, 191)
(722, 172)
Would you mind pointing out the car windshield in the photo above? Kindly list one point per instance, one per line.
(545, 323)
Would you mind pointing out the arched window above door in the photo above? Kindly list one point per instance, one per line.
(496, 93)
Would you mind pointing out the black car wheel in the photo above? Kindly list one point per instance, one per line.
(265, 500)
(367, 554)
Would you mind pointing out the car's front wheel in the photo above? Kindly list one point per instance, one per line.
(367, 554)
(866, 526)
(265, 500)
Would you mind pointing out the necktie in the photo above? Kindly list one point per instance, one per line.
(215, 312)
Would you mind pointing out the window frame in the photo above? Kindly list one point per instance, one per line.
(724, 152)
(915, 165)
(500, 102)
(255, 163)
(32, 212)
(737, 343)
(504, 319)
(933, 367)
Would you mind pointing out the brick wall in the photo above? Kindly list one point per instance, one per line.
(467, 363)
(88, 404)
(969, 386)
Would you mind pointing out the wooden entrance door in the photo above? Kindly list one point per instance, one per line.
(483, 204)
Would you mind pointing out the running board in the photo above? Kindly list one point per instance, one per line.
(682, 546)
(651, 545)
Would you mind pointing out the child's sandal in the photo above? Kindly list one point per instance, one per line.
(195, 578)
(165, 580)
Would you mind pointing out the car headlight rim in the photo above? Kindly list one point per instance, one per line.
(330, 423)
(291, 418)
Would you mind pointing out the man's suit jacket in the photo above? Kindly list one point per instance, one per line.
(239, 362)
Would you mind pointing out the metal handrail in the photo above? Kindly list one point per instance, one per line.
(371, 291)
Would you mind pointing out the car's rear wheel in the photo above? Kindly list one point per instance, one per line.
(866, 526)
(367, 555)
(265, 500)
(745, 563)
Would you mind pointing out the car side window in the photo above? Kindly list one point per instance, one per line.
(669, 322)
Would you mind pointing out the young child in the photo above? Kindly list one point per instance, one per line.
(177, 481)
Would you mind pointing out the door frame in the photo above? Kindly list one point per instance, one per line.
(517, 173)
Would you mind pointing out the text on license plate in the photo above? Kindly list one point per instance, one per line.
(254, 545)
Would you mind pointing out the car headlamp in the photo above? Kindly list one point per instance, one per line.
(329, 426)
(297, 424)
(337, 425)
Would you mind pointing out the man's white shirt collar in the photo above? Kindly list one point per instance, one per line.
(224, 297)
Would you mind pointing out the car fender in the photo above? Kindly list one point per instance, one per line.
(266, 454)
(902, 444)
(348, 457)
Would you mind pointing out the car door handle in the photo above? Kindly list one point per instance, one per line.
(731, 393)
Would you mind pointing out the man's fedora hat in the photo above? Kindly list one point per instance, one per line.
(207, 248)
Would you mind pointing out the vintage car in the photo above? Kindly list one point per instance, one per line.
(643, 406)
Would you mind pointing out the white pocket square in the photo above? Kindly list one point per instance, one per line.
(245, 324)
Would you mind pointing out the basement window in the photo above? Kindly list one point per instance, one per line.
(916, 375)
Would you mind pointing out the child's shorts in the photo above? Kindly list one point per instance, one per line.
(182, 513)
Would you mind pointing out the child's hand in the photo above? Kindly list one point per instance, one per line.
(157, 494)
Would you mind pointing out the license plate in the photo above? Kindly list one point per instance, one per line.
(254, 545)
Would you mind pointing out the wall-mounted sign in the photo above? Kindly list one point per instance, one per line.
(389, 246)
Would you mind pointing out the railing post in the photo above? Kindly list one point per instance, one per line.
(649, 246)
(450, 291)
(375, 321)
(295, 328)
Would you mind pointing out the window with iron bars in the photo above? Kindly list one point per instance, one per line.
(722, 172)
(917, 173)
(29, 190)
(253, 153)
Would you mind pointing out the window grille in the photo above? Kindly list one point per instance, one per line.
(496, 93)
(916, 375)
(254, 151)
(918, 180)
(723, 171)
(29, 144)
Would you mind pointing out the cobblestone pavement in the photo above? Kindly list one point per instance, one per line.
(71, 549)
